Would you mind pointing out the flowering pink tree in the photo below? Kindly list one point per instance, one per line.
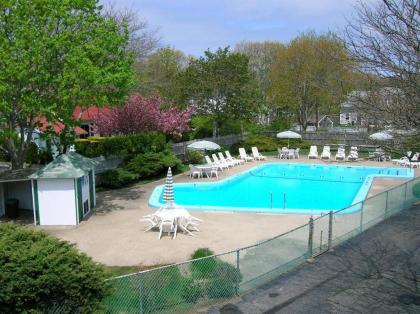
(143, 114)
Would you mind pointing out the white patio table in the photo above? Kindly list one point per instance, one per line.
(180, 215)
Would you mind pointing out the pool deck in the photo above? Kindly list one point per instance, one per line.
(114, 236)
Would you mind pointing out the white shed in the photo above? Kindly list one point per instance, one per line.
(64, 190)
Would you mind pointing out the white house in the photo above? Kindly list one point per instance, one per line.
(61, 193)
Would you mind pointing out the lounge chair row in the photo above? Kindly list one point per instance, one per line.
(406, 162)
(220, 163)
(340, 155)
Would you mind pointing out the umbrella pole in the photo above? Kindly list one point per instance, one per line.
(288, 142)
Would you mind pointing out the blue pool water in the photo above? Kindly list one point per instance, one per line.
(282, 188)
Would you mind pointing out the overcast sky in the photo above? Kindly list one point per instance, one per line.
(196, 25)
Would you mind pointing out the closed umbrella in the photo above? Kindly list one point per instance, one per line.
(381, 136)
(168, 194)
(288, 135)
(204, 145)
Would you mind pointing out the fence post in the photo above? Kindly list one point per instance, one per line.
(311, 237)
(237, 267)
(140, 287)
(361, 216)
(330, 223)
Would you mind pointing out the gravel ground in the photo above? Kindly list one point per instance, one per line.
(376, 272)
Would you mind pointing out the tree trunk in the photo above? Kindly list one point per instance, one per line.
(215, 129)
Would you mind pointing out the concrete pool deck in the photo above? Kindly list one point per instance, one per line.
(114, 236)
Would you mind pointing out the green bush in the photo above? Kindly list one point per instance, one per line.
(153, 164)
(263, 143)
(205, 265)
(191, 290)
(194, 157)
(228, 271)
(121, 145)
(220, 287)
(294, 143)
(117, 178)
(39, 273)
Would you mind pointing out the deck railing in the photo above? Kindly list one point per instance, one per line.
(191, 285)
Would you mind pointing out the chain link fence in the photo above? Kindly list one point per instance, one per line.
(188, 286)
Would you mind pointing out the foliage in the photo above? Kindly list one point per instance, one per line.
(116, 178)
(202, 252)
(268, 144)
(153, 164)
(157, 74)
(191, 290)
(221, 86)
(383, 37)
(194, 157)
(220, 287)
(56, 55)
(143, 114)
(205, 265)
(141, 166)
(121, 145)
(311, 74)
(38, 272)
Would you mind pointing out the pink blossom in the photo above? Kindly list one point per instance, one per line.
(143, 114)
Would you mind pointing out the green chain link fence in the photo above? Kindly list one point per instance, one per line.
(188, 286)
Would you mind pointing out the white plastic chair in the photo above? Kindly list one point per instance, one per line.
(223, 160)
(233, 159)
(326, 153)
(340, 155)
(244, 155)
(256, 154)
(313, 152)
(195, 172)
(218, 162)
(169, 226)
(213, 164)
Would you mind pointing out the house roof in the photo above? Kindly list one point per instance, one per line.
(67, 166)
(57, 126)
(89, 113)
(17, 175)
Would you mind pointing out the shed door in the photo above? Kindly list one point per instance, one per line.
(91, 190)
(79, 198)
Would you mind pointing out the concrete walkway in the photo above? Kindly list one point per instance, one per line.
(376, 272)
(113, 235)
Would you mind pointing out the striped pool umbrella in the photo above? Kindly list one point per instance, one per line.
(168, 194)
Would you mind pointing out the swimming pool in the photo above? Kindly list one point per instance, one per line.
(282, 188)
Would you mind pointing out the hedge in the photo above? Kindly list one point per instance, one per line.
(41, 274)
(121, 145)
(268, 144)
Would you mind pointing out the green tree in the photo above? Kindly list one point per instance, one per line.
(157, 75)
(222, 87)
(56, 55)
(311, 74)
(41, 274)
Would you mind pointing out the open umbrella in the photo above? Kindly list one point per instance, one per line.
(288, 135)
(381, 136)
(204, 145)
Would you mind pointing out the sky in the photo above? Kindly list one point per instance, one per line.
(194, 26)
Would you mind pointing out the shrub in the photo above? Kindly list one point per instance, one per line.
(220, 287)
(264, 143)
(153, 164)
(228, 271)
(203, 267)
(194, 157)
(190, 290)
(38, 273)
(121, 145)
(117, 178)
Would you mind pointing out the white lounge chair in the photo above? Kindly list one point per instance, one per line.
(218, 162)
(340, 155)
(213, 164)
(169, 226)
(233, 159)
(291, 154)
(313, 152)
(326, 153)
(244, 155)
(195, 172)
(223, 160)
(297, 150)
(152, 220)
(256, 154)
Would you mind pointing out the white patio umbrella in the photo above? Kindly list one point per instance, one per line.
(288, 135)
(381, 136)
(204, 145)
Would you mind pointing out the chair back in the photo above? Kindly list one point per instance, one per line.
(221, 157)
(254, 151)
(242, 152)
(228, 155)
(208, 160)
(216, 160)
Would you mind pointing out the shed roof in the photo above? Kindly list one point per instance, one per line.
(66, 166)
(17, 175)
